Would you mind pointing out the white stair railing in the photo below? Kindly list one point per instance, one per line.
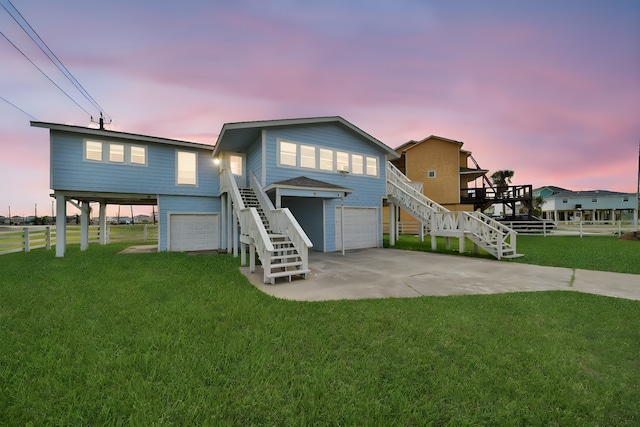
(251, 226)
(495, 237)
(283, 222)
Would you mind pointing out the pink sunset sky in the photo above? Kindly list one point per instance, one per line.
(547, 88)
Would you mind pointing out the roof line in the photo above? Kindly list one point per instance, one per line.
(117, 134)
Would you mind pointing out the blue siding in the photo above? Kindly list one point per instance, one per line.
(254, 159)
(308, 213)
(182, 204)
(367, 191)
(70, 171)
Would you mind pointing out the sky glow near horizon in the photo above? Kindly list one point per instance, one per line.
(548, 89)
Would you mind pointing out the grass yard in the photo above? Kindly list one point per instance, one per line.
(604, 253)
(96, 338)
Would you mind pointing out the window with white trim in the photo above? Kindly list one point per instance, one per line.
(326, 159)
(93, 150)
(431, 174)
(372, 166)
(138, 155)
(116, 153)
(357, 164)
(308, 156)
(186, 168)
(288, 153)
(625, 198)
(342, 161)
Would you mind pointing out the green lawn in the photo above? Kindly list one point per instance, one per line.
(97, 338)
(604, 253)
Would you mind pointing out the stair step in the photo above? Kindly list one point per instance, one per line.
(286, 264)
(289, 273)
(289, 256)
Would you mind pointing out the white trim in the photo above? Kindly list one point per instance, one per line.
(264, 157)
(179, 184)
(106, 152)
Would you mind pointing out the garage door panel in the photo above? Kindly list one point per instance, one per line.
(360, 228)
(193, 232)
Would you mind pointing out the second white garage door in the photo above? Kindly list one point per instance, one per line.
(193, 232)
(360, 228)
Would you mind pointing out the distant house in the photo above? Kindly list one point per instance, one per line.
(560, 204)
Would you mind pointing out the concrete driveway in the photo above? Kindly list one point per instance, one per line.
(384, 273)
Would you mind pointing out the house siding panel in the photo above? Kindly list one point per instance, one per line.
(367, 191)
(70, 171)
(254, 159)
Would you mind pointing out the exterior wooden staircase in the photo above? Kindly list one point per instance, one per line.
(285, 260)
(485, 232)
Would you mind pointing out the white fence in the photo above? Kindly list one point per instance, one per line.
(546, 227)
(23, 239)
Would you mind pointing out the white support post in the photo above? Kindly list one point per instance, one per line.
(84, 226)
(235, 235)
(252, 258)
(392, 224)
(434, 243)
(48, 237)
(421, 232)
(447, 243)
(223, 222)
(103, 224)
(398, 220)
(461, 244)
(243, 253)
(61, 225)
(27, 247)
(230, 219)
(144, 232)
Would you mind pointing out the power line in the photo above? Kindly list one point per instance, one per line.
(52, 56)
(18, 108)
(43, 73)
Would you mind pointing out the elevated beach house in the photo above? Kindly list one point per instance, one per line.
(271, 189)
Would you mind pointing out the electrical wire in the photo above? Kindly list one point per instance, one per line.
(18, 108)
(52, 56)
(43, 73)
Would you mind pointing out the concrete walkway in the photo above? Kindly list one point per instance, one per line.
(384, 273)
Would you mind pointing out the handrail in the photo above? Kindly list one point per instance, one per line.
(228, 183)
(263, 200)
(251, 225)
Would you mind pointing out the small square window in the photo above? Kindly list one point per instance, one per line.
(372, 166)
(288, 153)
(594, 200)
(357, 164)
(308, 156)
(342, 161)
(431, 174)
(326, 159)
(565, 200)
(93, 150)
(625, 199)
(138, 155)
(116, 153)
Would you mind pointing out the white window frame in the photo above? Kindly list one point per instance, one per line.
(322, 161)
(114, 157)
(88, 142)
(340, 165)
(180, 180)
(144, 155)
(281, 161)
(308, 160)
(369, 166)
(357, 164)
(431, 174)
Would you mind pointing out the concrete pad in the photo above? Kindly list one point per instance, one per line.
(610, 284)
(140, 249)
(384, 273)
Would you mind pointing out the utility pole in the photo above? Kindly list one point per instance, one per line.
(9, 214)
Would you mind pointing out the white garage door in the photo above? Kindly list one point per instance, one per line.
(360, 228)
(193, 232)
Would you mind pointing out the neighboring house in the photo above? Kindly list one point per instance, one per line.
(450, 176)
(560, 204)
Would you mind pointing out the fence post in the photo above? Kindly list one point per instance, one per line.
(580, 227)
(145, 232)
(619, 228)
(26, 239)
(48, 237)
(544, 228)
